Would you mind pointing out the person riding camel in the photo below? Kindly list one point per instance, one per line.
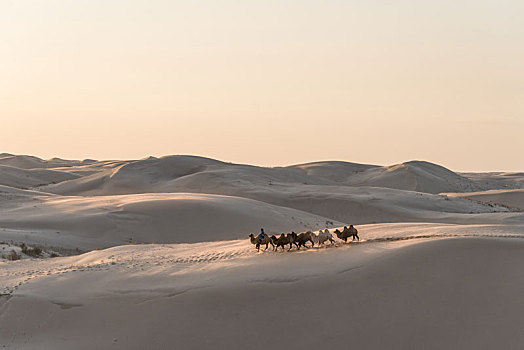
(261, 235)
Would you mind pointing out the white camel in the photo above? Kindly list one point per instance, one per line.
(324, 236)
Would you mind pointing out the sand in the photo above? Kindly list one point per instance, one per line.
(417, 293)
(180, 199)
(513, 199)
(167, 263)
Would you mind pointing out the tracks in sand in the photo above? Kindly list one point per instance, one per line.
(151, 258)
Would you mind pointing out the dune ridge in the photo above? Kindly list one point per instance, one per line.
(95, 204)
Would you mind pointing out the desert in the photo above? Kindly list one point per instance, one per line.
(152, 253)
(257, 174)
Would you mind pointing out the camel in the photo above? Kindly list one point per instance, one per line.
(346, 232)
(283, 240)
(354, 233)
(304, 237)
(258, 241)
(324, 236)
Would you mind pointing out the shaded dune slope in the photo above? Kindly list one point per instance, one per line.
(103, 221)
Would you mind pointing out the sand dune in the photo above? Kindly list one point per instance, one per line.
(497, 180)
(412, 176)
(338, 172)
(138, 176)
(23, 178)
(31, 162)
(343, 203)
(511, 198)
(415, 293)
(416, 176)
(428, 273)
(161, 175)
(319, 188)
(104, 221)
(93, 204)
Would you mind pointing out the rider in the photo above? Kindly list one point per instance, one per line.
(261, 235)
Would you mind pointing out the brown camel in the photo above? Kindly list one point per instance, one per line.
(265, 239)
(283, 240)
(304, 237)
(347, 232)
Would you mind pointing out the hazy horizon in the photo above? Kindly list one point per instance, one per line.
(266, 83)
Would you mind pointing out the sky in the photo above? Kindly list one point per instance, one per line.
(272, 82)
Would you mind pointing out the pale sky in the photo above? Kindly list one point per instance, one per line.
(267, 82)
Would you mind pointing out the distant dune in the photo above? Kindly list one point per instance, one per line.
(511, 198)
(31, 162)
(26, 178)
(412, 176)
(94, 204)
(497, 180)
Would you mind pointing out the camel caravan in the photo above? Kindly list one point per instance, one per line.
(301, 239)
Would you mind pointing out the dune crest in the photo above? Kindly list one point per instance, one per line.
(183, 198)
